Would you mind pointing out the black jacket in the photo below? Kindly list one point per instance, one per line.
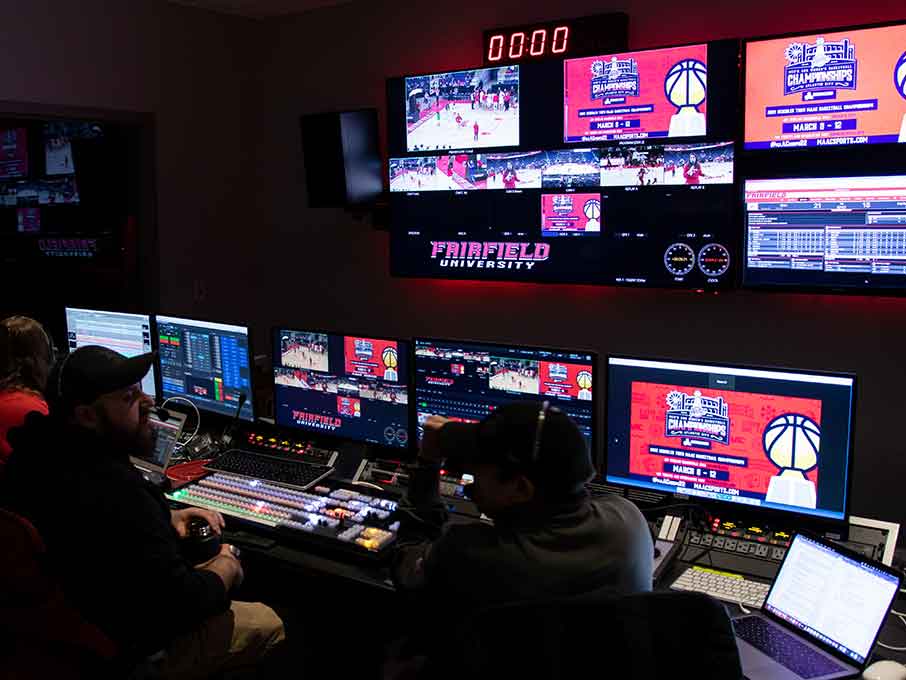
(575, 549)
(108, 536)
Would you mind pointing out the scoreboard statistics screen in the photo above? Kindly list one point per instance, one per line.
(826, 233)
(497, 174)
(824, 89)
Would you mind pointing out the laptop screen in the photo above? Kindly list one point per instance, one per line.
(835, 599)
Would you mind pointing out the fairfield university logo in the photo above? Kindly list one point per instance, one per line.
(489, 254)
(316, 420)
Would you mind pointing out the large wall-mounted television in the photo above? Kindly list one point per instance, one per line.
(648, 202)
(826, 89)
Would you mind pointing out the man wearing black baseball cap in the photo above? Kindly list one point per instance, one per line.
(111, 535)
(548, 539)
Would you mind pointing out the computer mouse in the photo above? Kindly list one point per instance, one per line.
(201, 543)
(885, 670)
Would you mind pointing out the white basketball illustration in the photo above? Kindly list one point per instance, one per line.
(592, 209)
(899, 75)
(686, 83)
(792, 442)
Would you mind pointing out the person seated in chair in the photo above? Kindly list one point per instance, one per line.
(549, 539)
(26, 355)
(110, 535)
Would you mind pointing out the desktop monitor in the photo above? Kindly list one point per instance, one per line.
(128, 334)
(355, 387)
(466, 381)
(207, 363)
(773, 439)
(825, 233)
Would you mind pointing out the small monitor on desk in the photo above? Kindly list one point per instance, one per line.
(128, 334)
(354, 387)
(207, 363)
(772, 439)
(466, 381)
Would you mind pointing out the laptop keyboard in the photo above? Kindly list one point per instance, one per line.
(784, 648)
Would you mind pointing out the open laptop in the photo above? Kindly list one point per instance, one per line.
(821, 617)
(166, 435)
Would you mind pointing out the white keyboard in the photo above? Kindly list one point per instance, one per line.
(723, 585)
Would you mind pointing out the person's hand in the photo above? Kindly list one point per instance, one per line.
(430, 448)
(180, 520)
(227, 566)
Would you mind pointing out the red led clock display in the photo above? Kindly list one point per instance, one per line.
(541, 42)
(600, 34)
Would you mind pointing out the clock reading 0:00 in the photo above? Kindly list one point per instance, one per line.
(535, 44)
(714, 260)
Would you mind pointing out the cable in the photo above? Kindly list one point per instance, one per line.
(902, 618)
(197, 418)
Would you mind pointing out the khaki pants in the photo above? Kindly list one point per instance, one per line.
(229, 643)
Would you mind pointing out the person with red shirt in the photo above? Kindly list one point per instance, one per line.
(510, 177)
(26, 355)
(475, 128)
(692, 170)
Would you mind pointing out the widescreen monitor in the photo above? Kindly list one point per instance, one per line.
(207, 363)
(353, 387)
(772, 439)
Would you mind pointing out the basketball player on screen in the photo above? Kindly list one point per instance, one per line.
(475, 128)
(642, 172)
(510, 177)
(692, 171)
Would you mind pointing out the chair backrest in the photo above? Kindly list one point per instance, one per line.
(41, 632)
(644, 637)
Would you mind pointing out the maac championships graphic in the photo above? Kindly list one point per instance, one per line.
(463, 109)
(371, 358)
(726, 444)
(826, 89)
(565, 214)
(655, 93)
(792, 443)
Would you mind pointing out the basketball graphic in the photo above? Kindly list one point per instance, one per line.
(792, 442)
(592, 209)
(583, 380)
(390, 357)
(899, 75)
(686, 84)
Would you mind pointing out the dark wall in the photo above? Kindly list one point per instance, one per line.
(327, 269)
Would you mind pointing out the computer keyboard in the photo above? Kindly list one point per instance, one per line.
(722, 585)
(294, 473)
(784, 648)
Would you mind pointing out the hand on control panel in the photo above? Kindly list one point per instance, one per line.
(181, 519)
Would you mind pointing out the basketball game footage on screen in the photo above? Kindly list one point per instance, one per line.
(759, 438)
(349, 386)
(463, 109)
(616, 169)
(826, 89)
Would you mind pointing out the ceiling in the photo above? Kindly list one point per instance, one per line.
(260, 9)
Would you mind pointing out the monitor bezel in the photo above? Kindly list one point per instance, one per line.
(743, 80)
(773, 516)
(593, 449)
(382, 452)
(203, 407)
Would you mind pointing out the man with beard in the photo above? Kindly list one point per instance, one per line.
(111, 538)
